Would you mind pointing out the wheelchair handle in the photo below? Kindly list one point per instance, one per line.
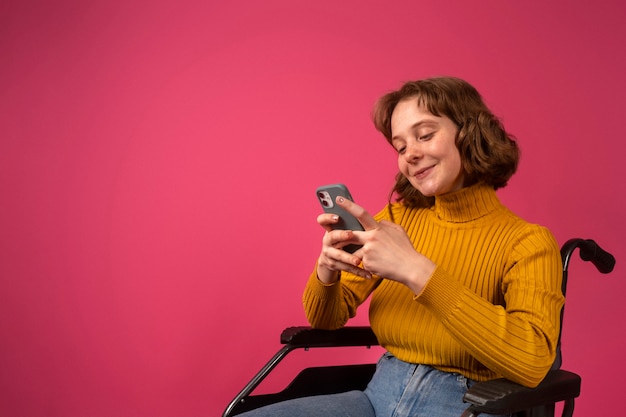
(589, 251)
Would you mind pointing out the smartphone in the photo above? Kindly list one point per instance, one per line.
(327, 196)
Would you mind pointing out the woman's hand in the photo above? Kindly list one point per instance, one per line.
(333, 258)
(387, 250)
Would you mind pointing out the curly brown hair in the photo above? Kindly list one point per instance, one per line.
(488, 153)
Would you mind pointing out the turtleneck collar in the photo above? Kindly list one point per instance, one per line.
(467, 204)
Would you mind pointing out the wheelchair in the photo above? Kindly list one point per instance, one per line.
(498, 396)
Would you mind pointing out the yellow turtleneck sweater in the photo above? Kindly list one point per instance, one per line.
(491, 308)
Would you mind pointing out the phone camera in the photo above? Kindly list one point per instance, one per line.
(325, 199)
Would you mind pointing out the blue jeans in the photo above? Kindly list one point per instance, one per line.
(398, 389)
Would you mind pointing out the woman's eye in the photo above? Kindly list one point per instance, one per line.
(401, 150)
(427, 136)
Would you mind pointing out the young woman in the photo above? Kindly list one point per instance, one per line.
(462, 289)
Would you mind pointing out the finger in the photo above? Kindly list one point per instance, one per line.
(339, 260)
(326, 220)
(340, 238)
(361, 272)
(366, 219)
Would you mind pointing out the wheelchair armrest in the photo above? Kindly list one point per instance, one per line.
(501, 396)
(305, 337)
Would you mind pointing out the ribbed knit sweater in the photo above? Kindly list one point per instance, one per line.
(491, 308)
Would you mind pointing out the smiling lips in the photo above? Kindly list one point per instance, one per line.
(422, 172)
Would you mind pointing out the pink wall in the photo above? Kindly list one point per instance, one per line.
(158, 162)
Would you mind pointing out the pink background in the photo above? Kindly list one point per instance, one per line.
(158, 162)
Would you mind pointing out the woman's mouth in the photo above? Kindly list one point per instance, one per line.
(422, 173)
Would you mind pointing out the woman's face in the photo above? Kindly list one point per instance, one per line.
(427, 153)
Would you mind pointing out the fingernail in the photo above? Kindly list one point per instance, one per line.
(341, 199)
(335, 218)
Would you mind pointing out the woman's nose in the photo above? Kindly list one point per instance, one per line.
(413, 151)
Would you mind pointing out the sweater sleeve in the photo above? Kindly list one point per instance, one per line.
(518, 340)
(331, 306)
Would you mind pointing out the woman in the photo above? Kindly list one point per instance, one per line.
(463, 290)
